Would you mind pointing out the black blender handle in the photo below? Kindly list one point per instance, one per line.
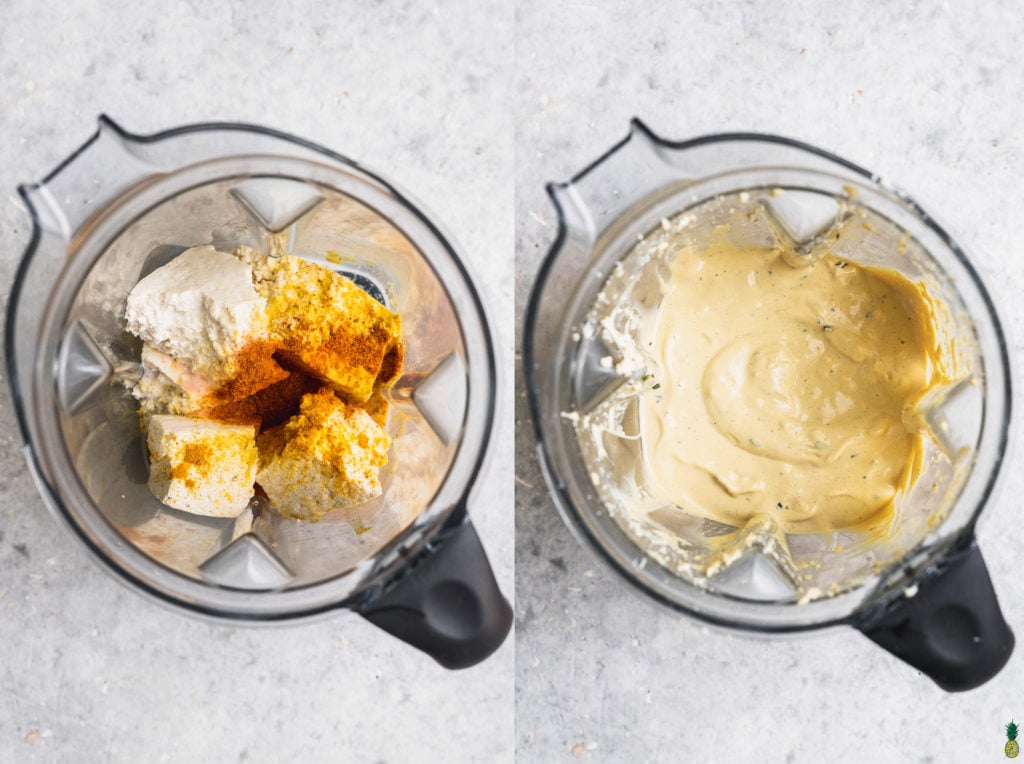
(952, 629)
(446, 603)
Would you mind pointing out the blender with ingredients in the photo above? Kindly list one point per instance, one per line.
(122, 206)
(921, 590)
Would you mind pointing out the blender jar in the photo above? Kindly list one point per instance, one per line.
(922, 592)
(122, 206)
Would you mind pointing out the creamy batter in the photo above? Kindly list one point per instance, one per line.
(786, 387)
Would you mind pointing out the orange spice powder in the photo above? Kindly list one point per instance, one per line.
(313, 341)
(255, 369)
(196, 463)
(268, 407)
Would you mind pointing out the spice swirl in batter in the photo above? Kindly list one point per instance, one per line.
(787, 388)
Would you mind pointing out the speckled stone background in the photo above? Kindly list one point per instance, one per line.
(89, 671)
(926, 94)
(453, 104)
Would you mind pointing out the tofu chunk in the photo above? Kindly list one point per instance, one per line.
(325, 458)
(201, 466)
(327, 327)
(200, 309)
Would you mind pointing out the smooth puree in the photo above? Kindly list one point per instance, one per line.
(787, 387)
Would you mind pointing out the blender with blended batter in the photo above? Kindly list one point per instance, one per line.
(778, 398)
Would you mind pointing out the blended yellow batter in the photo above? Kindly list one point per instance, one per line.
(786, 388)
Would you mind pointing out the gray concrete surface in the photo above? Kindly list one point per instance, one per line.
(925, 94)
(89, 671)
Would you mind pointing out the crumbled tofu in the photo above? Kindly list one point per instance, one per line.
(201, 466)
(325, 458)
(168, 386)
(201, 309)
(327, 326)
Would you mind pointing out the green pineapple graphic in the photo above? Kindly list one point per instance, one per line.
(1012, 747)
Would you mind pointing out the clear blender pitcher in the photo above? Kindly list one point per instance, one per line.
(923, 593)
(122, 206)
